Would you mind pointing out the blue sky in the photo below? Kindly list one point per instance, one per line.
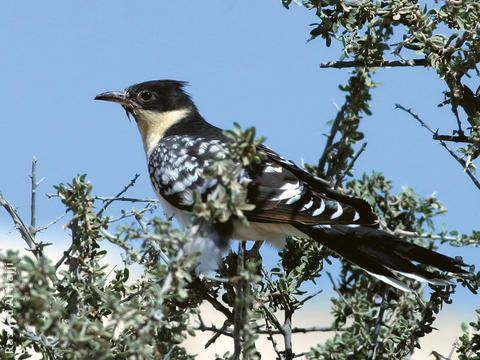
(246, 61)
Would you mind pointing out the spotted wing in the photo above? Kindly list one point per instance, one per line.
(176, 169)
(284, 193)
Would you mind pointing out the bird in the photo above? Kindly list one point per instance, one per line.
(180, 144)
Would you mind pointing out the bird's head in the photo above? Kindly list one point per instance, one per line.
(156, 106)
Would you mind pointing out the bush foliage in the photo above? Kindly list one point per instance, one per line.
(81, 308)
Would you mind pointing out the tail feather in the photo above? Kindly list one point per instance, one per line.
(383, 255)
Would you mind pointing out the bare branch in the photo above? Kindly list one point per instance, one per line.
(132, 182)
(65, 254)
(309, 297)
(32, 228)
(378, 63)
(461, 161)
(350, 166)
(114, 198)
(53, 222)
(295, 330)
(272, 340)
(459, 138)
(333, 132)
(20, 226)
(221, 331)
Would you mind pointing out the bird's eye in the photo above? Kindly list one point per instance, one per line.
(145, 95)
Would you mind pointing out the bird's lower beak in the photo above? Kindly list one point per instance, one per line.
(115, 96)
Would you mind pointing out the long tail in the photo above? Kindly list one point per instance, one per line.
(382, 254)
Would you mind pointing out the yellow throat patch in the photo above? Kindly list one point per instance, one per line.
(153, 124)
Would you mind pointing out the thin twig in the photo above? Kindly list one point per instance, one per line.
(333, 132)
(125, 215)
(33, 201)
(65, 254)
(461, 161)
(337, 290)
(309, 297)
(399, 47)
(438, 356)
(272, 340)
(132, 295)
(375, 63)
(274, 321)
(114, 198)
(350, 165)
(452, 350)
(132, 182)
(221, 331)
(53, 222)
(143, 225)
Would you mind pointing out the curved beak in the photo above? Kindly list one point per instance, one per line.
(114, 96)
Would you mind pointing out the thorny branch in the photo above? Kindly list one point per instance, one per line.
(115, 198)
(350, 165)
(378, 324)
(109, 201)
(377, 63)
(272, 340)
(28, 234)
(331, 136)
(460, 138)
(37, 249)
(33, 201)
(461, 161)
(259, 331)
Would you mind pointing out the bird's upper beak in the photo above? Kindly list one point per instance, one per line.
(121, 98)
(115, 96)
